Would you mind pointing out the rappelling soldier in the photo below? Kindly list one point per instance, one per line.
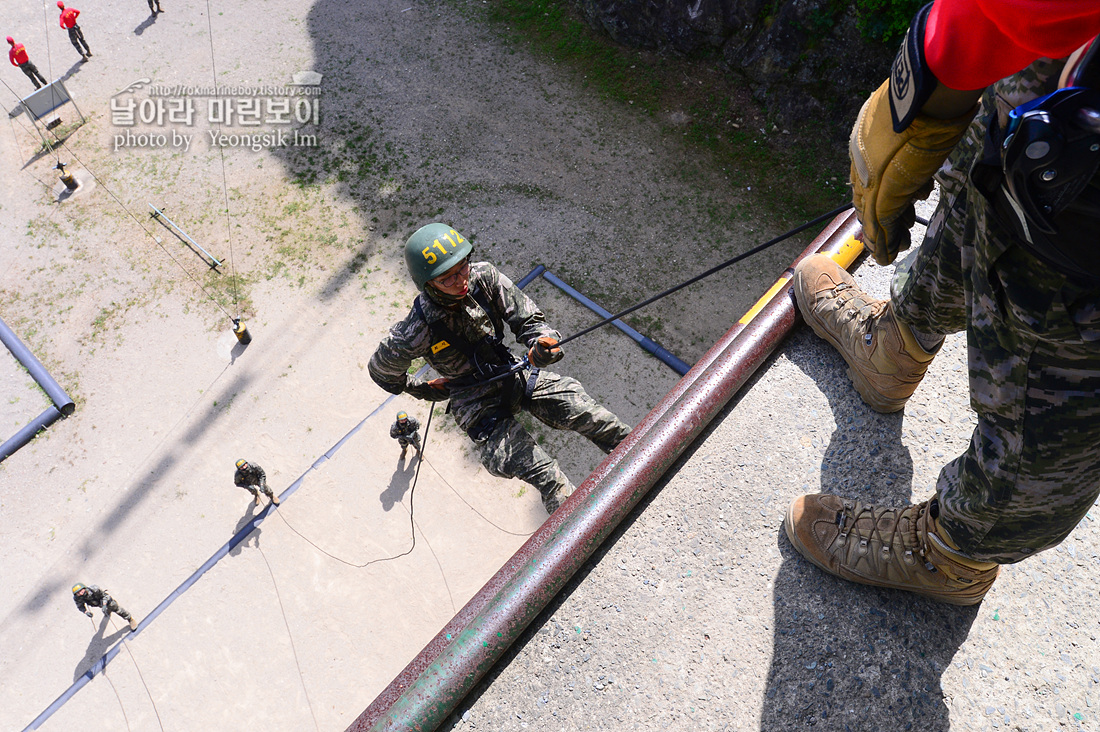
(406, 430)
(85, 597)
(252, 478)
(457, 324)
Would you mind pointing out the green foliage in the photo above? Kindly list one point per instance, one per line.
(885, 20)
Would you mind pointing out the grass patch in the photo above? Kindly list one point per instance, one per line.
(792, 176)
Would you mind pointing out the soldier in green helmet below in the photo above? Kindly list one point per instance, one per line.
(406, 430)
(86, 596)
(457, 324)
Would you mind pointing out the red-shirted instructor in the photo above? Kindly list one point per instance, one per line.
(68, 22)
(18, 57)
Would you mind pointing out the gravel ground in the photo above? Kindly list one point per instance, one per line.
(698, 613)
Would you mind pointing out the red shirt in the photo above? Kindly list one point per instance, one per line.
(18, 55)
(68, 17)
(969, 44)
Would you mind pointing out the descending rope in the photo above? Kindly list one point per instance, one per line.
(142, 677)
(293, 650)
(413, 527)
(412, 520)
(709, 272)
(225, 182)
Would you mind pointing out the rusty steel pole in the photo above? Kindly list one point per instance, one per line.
(445, 671)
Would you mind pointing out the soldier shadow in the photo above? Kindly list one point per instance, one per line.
(253, 539)
(399, 483)
(71, 70)
(143, 25)
(848, 656)
(98, 646)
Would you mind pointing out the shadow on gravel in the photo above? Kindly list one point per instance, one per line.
(399, 484)
(98, 645)
(143, 487)
(846, 656)
(252, 539)
(849, 657)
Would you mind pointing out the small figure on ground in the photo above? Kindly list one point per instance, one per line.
(76, 36)
(988, 98)
(457, 324)
(91, 596)
(154, 7)
(406, 430)
(252, 478)
(19, 58)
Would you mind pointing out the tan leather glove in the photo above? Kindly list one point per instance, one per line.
(545, 352)
(891, 170)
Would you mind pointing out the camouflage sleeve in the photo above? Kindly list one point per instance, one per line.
(520, 312)
(79, 603)
(414, 426)
(389, 366)
(394, 433)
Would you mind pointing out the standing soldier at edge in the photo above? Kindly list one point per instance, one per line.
(1010, 256)
(94, 597)
(406, 430)
(252, 478)
(76, 36)
(17, 56)
(457, 324)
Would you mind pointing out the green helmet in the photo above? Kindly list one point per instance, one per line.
(241, 464)
(432, 250)
(78, 587)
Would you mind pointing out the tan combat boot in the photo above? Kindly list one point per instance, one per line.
(900, 548)
(885, 361)
(256, 497)
(133, 623)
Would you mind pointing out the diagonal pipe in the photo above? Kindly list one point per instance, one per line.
(446, 670)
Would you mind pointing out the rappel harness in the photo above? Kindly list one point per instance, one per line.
(490, 358)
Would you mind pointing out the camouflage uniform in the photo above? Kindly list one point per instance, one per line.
(1033, 466)
(406, 435)
(254, 480)
(486, 411)
(95, 597)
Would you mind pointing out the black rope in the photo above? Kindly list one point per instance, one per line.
(293, 650)
(142, 677)
(468, 504)
(524, 363)
(709, 272)
(412, 520)
(225, 182)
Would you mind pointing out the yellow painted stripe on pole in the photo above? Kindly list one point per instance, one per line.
(848, 252)
(779, 285)
(844, 256)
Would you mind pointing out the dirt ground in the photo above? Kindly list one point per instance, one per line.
(425, 113)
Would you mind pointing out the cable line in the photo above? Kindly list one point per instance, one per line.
(225, 183)
(709, 272)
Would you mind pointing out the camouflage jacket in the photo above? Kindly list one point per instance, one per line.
(94, 597)
(252, 475)
(410, 428)
(413, 338)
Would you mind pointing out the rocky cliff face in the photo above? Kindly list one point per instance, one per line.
(801, 57)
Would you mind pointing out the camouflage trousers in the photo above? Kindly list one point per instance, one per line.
(1032, 469)
(560, 402)
(413, 439)
(110, 605)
